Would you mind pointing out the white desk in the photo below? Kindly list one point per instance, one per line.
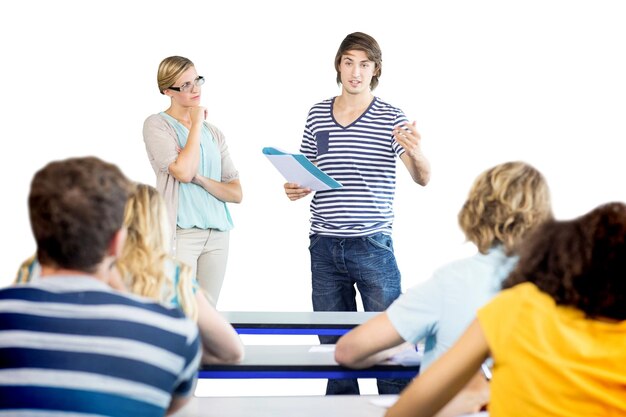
(300, 361)
(331, 323)
(297, 406)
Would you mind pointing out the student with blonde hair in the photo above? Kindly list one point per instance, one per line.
(148, 269)
(503, 205)
(145, 268)
(555, 333)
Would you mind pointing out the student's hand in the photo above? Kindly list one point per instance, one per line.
(197, 114)
(406, 135)
(295, 192)
(473, 398)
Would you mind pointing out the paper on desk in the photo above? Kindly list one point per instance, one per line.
(296, 168)
(407, 357)
(384, 401)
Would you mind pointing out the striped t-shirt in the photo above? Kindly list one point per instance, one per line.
(362, 157)
(71, 346)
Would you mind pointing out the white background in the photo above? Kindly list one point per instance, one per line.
(487, 81)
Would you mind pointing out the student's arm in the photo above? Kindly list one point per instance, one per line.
(220, 342)
(412, 317)
(368, 344)
(295, 192)
(471, 399)
(228, 192)
(429, 392)
(413, 157)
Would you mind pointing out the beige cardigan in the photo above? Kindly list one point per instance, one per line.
(162, 147)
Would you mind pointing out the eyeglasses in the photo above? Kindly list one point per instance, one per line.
(189, 85)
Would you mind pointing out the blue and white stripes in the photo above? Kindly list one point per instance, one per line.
(69, 346)
(362, 157)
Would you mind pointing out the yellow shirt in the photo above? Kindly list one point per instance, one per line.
(550, 360)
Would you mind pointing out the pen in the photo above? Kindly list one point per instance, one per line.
(486, 371)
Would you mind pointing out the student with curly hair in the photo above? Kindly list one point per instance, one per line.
(504, 204)
(556, 333)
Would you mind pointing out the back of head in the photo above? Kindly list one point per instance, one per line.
(504, 203)
(580, 263)
(170, 69)
(359, 41)
(76, 206)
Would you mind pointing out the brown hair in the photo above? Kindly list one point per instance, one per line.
(170, 69)
(76, 206)
(504, 203)
(359, 41)
(580, 263)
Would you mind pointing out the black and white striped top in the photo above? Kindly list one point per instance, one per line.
(362, 157)
(70, 346)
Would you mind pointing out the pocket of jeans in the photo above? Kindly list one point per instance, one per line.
(381, 241)
(321, 138)
(313, 239)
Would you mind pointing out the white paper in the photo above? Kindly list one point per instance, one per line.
(407, 357)
(385, 401)
(293, 170)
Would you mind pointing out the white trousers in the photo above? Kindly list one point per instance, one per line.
(206, 251)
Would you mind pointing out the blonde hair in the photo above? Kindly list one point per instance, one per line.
(24, 272)
(504, 203)
(170, 69)
(144, 256)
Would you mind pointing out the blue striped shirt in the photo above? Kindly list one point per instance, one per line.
(71, 346)
(362, 157)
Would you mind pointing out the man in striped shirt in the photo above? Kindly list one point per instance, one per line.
(70, 345)
(355, 138)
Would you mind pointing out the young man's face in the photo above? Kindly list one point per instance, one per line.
(356, 72)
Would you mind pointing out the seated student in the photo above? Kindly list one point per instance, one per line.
(504, 203)
(147, 269)
(556, 334)
(69, 343)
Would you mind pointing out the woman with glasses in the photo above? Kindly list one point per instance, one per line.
(195, 174)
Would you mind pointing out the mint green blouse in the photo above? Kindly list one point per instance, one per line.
(197, 207)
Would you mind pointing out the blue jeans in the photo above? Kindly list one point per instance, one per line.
(337, 265)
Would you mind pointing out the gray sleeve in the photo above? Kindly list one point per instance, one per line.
(229, 172)
(161, 142)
